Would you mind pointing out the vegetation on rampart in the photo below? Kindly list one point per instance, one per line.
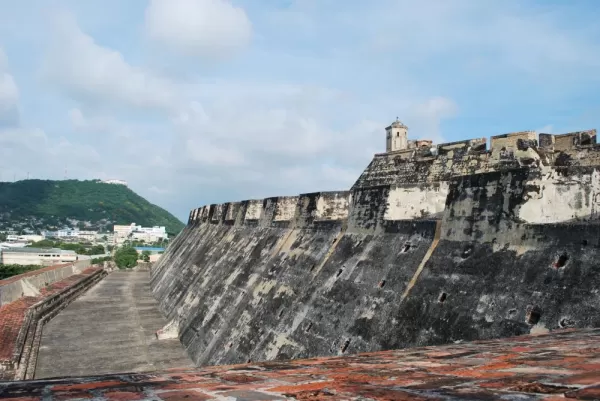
(7, 271)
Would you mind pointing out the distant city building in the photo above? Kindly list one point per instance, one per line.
(7, 245)
(36, 256)
(110, 237)
(63, 233)
(89, 236)
(24, 238)
(117, 182)
(71, 234)
(138, 233)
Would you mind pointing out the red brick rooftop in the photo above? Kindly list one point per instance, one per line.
(12, 314)
(557, 366)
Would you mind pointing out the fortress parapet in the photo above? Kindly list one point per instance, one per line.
(413, 180)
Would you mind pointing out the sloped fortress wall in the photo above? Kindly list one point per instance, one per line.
(431, 245)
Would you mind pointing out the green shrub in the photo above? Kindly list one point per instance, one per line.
(126, 257)
(7, 271)
(97, 261)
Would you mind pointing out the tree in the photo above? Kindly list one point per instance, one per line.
(146, 256)
(45, 243)
(2, 237)
(126, 257)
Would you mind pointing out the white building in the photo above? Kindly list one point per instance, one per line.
(89, 236)
(24, 238)
(110, 237)
(36, 256)
(117, 182)
(13, 244)
(138, 233)
(67, 233)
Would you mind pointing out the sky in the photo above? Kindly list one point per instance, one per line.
(208, 101)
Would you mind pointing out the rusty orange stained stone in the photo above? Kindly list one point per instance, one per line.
(512, 368)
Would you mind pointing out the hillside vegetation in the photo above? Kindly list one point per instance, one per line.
(47, 204)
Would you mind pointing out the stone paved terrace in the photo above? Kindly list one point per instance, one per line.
(109, 329)
(12, 315)
(557, 366)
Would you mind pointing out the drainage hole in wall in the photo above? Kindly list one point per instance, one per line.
(561, 261)
(512, 311)
(382, 284)
(534, 315)
(339, 272)
(442, 297)
(312, 267)
(467, 252)
(406, 248)
(308, 327)
(281, 312)
(566, 322)
(345, 346)
(584, 242)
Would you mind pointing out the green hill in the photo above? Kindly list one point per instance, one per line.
(45, 204)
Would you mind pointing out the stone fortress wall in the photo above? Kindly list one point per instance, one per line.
(432, 244)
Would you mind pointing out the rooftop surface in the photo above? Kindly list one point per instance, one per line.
(38, 250)
(558, 366)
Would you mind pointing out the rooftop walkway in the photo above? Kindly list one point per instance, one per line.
(109, 329)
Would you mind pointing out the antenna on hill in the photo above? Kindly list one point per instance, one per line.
(65, 172)
(28, 175)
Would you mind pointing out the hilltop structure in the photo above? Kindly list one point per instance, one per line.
(116, 182)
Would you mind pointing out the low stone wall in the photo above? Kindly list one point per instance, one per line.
(21, 365)
(30, 283)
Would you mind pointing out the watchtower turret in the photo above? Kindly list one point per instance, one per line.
(396, 136)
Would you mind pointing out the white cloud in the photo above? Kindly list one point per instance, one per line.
(9, 94)
(32, 152)
(429, 114)
(206, 28)
(93, 73)
(279, 123)
(546, 129)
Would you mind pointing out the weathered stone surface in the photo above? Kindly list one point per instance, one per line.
(551, 367)
(431, 245)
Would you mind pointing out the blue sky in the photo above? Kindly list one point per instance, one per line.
(205, 101)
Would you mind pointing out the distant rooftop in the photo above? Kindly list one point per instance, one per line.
(38, 250)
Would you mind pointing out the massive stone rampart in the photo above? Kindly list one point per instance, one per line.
(430, 246)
